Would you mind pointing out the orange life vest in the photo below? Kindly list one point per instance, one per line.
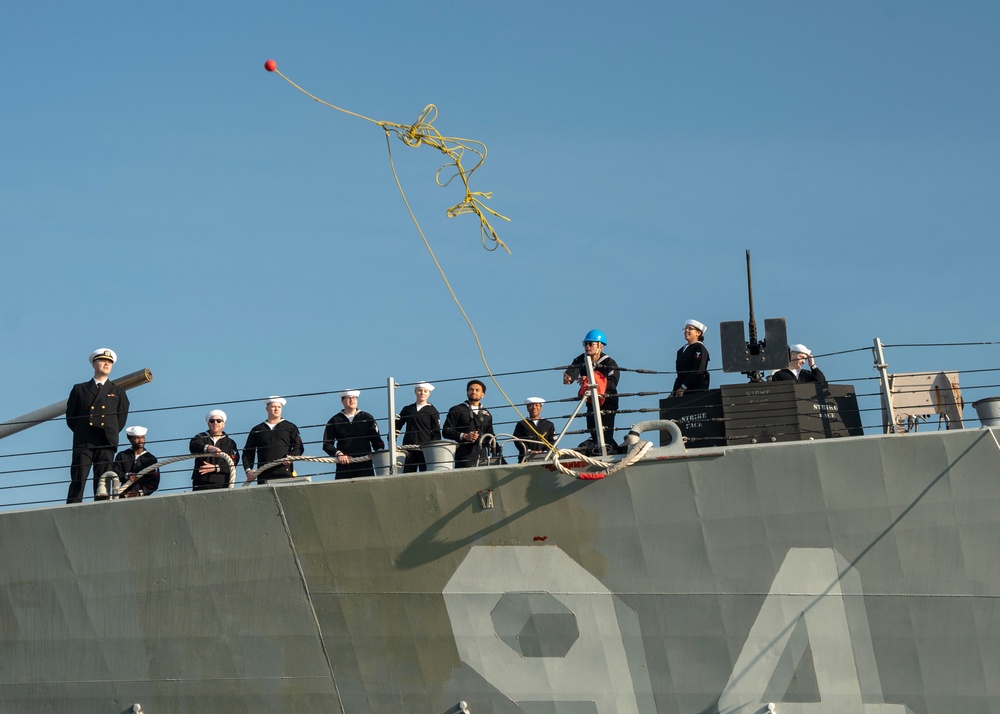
(602, 386)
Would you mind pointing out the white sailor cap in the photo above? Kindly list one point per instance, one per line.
(350, 393)
(103, 353)
(136, 431)
(271, 400)
(425, 385)
(215, 413)
(534, 400)
(696, 325)
(800, 348)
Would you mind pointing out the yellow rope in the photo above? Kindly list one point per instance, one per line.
(421, 132)
(447, 283)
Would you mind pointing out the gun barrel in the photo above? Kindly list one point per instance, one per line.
(53, 411)
(753, 321)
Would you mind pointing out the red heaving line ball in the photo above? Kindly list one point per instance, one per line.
(270, 65)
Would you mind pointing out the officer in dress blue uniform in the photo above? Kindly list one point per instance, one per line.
(466, 423)
(96, 412)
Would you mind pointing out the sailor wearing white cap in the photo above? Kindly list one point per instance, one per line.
(423, 423)
(692, 361)
(212, 471)
(351, 432)
(533, 434)
(96, 412)
(131, 461)
(271, 440)
(798, 355)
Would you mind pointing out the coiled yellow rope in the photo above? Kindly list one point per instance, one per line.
(422, 132)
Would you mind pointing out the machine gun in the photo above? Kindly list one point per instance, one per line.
(751, 358)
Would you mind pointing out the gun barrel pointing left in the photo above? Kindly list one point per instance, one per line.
(53, 411)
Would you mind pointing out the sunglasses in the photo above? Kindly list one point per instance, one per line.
(216, 421)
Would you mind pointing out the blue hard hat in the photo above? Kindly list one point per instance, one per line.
(596, 336)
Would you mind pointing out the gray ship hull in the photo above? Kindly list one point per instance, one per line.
(846, 575)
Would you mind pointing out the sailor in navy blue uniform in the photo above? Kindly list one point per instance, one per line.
(798, 355)
(130, 462)
(692, 361)
(594, 343)
(533, 430)
(466, 423)
(212, 471)
(96, 412)
(423, 423)
(352, 432)
(271, 440)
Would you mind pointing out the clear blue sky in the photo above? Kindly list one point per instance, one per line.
(163, 195)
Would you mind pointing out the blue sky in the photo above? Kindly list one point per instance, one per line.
(165, 196)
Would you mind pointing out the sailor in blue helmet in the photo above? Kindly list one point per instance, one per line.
(594, 343)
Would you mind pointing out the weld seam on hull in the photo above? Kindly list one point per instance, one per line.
(308, 596)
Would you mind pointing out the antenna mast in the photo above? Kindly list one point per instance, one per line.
(754, 346)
